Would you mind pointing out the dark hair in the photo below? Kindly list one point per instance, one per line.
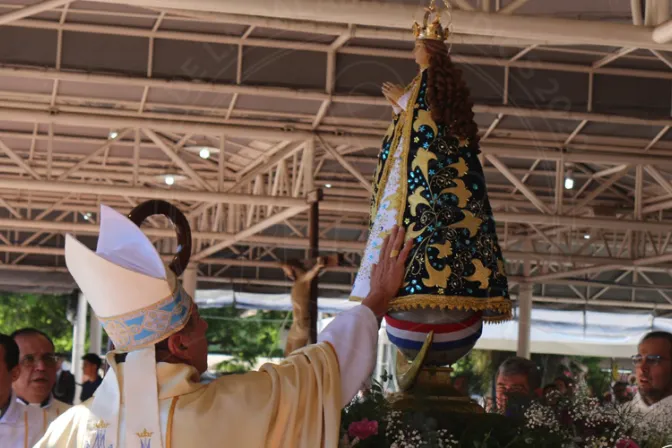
(659, 335)
(566, 381)
(550, 387)
(11, 351)
(93, 359)
(521, 366)
(31, 331)
(448, 94)
(619, 384)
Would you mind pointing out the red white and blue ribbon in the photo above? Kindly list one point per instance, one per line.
(411, 335)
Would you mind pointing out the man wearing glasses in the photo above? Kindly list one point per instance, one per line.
(653, 368)
(37, 367)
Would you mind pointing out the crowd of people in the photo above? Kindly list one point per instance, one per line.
(652, 364)
(34, 387)
(152, 394)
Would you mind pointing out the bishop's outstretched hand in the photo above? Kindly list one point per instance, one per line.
(387, 275)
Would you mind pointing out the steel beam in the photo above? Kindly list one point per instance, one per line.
(27, 11)
(263, 132)
(396, 15)
(356, 207)
(252, 230)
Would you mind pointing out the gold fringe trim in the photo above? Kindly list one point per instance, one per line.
(405, 124)
(500, 304)
(406, 135)
(499, 319)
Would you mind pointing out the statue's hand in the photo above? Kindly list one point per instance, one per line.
(392, 92)
(387, 275)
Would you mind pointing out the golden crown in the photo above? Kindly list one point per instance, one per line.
(433, 30)
(144, 434)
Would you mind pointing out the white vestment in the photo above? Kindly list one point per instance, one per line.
(659, 413)
(23, 425)
(386, 215)
(295, 404)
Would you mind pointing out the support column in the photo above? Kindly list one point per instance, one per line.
(79, 340)
(314, 198)
(190, 279)
(309, 166)
(524, 319)
(95, 334)
(525, 308)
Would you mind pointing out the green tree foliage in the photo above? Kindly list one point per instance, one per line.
(477, 368)
(598, 381)
(44, 312)
(246, 335)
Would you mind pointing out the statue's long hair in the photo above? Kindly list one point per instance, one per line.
(448, 94)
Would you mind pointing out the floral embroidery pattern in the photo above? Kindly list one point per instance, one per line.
(435, 188)
(148, 325)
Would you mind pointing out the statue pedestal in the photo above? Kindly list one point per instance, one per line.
(432, 392)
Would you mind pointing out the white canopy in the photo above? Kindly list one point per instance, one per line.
(590, 333)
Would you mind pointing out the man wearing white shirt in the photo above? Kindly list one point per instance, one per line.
(653, 365)
(13, 415)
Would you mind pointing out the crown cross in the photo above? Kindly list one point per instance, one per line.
(431, 30)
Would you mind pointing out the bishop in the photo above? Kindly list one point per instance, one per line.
(152, 396)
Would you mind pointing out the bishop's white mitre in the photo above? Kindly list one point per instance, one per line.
(139, 303)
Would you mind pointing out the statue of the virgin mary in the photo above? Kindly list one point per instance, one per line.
(430, 181)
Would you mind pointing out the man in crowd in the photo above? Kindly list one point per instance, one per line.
(64, 390)
(13, 415)
(653, 367)
(620, 392)
(564, 385)
(37, 367)
(91, 380)
(461, 384)
(151, 395)
(517, 381)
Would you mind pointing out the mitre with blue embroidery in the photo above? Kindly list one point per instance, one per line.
(139, 303)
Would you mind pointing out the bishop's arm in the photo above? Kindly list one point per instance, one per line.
(353, 335)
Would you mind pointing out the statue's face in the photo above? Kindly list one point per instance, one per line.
(421, 54)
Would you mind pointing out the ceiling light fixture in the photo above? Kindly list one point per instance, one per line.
(569, 183)
(169, 179)
(113, 135)
(569, 180)
(203, 151)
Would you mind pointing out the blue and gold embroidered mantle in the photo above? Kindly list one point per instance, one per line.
(149, 325)
(456, 262)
